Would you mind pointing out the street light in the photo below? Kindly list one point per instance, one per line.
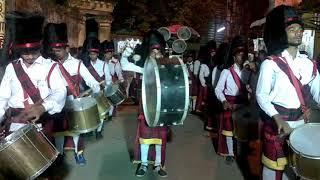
(221, 29)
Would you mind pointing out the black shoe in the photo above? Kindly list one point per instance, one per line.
(141, 170)
(229, 160)
(99, 135)
(160, 171)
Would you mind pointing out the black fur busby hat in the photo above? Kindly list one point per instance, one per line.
(56, 35)
(92, 45)
(107, 46)
(275, 36)
(211, 45)
(27, 29)
(154, 39)
(238, 44)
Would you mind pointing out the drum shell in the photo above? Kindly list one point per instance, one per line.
(103, 106)
(305, 167)
(165, 92)
(28, 156)
(116, 96)
(83, 121)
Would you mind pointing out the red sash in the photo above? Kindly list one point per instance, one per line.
(26, 83)
(94, 73)
(73, 84)
(283, 65)
(237, 79)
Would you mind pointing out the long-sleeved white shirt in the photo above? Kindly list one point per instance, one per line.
(71, 65)
(227, 85)
(115, 68)
(11, 91)
(196, 67)
(98, 66)
(274, 86)
(204, 72)
(129, 66)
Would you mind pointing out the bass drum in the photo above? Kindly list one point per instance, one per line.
(26, 153)
(305, 154)
(165, 91)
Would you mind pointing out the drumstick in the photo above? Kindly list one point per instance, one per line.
(89, 90)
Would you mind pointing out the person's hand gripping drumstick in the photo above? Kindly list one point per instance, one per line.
(283, 126)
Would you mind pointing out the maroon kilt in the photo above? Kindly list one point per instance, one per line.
(226, 124)
(212, 111)
(275, 149)
(202, 98)
(145, 132)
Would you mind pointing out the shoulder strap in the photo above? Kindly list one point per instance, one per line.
(68, 78)
(283, 65)
(237, 79)
(26, 83)
(94, 73)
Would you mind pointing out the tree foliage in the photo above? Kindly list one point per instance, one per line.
(142, 15)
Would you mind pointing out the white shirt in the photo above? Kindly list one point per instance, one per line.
(72, 64)
(98, 66)
(129, 66)
(226, 84)
(275, 87)
(115, 68)
(196, 67)
(204, 72)
(11, 92)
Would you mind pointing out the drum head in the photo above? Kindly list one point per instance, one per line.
(81, 104)
(165, 92)
(305, 140)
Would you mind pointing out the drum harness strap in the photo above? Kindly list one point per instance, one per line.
(94, 73)
(284, 66)
(73, 86)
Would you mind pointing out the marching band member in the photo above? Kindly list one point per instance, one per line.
(231, 91)
(114, 67)
(153, 45)
(193, 80)
(73, 71)
(32, 87)
(283, 79)
(201, 61)
(98, 69)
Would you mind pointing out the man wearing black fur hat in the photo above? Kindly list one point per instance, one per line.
(73, 71)
(32, 85)
(150, 142)
(284, 76)
(231, 92)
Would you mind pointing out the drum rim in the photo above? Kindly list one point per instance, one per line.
(143, 92)
(298, 152)
(186, 27)
(187, 93)
(6, 142)
(79, 99)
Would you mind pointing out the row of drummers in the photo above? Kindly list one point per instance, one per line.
(94, 89)
(224, 93)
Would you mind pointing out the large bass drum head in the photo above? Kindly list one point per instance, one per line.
(165, 92)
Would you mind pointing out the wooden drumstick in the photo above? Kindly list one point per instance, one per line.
(87, 92)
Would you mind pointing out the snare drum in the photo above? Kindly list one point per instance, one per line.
(305, 151)
(26, 153)
(103, 105)
(83, 115)
(165, 91)
(115, 94)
